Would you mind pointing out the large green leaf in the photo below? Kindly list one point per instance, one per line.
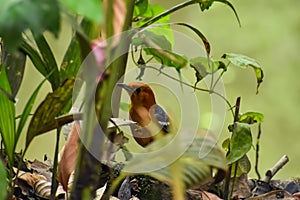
(244, 62)
(15, 64)
(49, 60)
(91, 9)
(35, 58)
(240, 142)
(7, 115)
(43, 119)
(27, 109)
(43, 60)
(251, 117)
(72, 61)
(195, 166)
(3, 181)
(36, 15)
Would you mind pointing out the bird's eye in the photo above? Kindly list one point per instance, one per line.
(138, 90)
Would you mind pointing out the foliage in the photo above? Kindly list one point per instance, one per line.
(22, 27)
(193, 170)
(43, 119)
(3, 178)
(19, 16)
(7, 115)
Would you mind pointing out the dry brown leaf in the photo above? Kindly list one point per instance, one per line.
(241, 188)
(29, 178)
(42, 169)
(195, 194)
(68, 156)
(42, 189)
(275, 194)
(297, 195)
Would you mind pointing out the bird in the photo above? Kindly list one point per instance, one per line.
(151, 120)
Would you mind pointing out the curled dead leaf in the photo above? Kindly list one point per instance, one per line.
(30, 178)
(43, 189)
(68, 156)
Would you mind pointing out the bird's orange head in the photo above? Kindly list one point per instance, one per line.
(140, 94)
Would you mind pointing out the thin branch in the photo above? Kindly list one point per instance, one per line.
(194, 87)
(132, 56)
(257, 151)
(167, 12)
(54, 182)
(271, 172)
(218, 79)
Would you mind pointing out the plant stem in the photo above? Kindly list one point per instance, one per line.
(54, 183)
(194, 87)
(257, 152)
(167, 12)
(88, 167)
(228, 176)
(219, 77)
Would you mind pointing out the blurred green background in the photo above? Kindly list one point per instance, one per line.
(270, 33)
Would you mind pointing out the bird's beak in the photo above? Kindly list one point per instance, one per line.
(129, 89)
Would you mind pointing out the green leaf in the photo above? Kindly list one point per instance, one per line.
(205, 5)
(91, 9)
(243, 166)
(35, 58)
(204, 66)
(7, 116)
(225, 144)
(27, 109)
(240, 142)
(164, 28)
(15, 65)
(3, 181)
(140, 8)
(72, 61)
(243, 61)
(195, 30)
(232, 8)
(251, 117)
(168, 58)
(43, 119)
(159, 47)
(194, 168)
(199, 34)
(36, 15)
(49, 60)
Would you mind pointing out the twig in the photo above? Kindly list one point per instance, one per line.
(271, 172)
(54, 182)
(257, 151)
(167, 12)
(194, 87)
